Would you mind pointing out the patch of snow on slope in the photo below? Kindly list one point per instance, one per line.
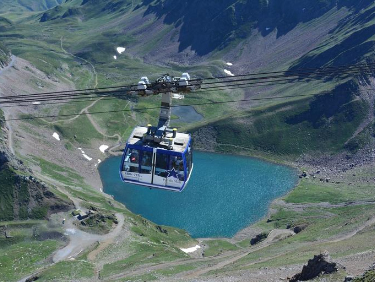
(191, 250)
(102, 148)
(228, 72)
(121, 50)
(56, 136)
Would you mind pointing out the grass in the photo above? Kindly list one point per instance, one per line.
(75, 270)
(216, 247)
(62, 174)
(163, 273)
(145, 253)
(148, 244)
(284, 130)
(315, 192)
(80, 131)
(23, 258)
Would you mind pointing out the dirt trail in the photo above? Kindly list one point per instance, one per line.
(84, 110)
(97, 127)
(354, 232)
(273, 235)
(80, 240)
(92, 66)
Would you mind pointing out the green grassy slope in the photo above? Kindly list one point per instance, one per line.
(292, 128)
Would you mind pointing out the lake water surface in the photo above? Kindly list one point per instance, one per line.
(225, 194)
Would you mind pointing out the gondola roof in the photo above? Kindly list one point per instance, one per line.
(180, 143)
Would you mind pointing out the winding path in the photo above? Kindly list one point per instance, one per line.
(222, 260)
(86, 61)
(80, 240)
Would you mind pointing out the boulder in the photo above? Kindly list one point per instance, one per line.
(320, 264)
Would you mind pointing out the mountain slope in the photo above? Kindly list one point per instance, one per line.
(27, 5)
(21, 195)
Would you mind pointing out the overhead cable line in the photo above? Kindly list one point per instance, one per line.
(173, 106)
(319, 72)
(115, 93)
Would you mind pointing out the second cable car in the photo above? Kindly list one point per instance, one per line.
(158, 156)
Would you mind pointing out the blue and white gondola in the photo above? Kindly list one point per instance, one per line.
(158, 156)
(164, 165)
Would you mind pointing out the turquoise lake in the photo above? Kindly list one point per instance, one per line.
(224, 195)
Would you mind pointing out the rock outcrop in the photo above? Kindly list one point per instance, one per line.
(320, 264)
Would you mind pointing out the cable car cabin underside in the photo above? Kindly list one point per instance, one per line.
(165, 164)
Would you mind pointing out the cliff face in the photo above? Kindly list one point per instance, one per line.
(21, 195)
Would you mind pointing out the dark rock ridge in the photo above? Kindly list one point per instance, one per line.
(258, 238)
(320, 264)
(210, 25)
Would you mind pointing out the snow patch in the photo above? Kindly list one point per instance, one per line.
(121, 50)
(102, 148)
(56, 136)
(229, 64)
(228, 72)
(99, 161)
(191, 250)
(84, 155)
(115, 57)
(36, 103)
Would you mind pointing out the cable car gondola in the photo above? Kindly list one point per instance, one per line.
(158, 156)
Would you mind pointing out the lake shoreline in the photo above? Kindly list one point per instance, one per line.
(265, 210)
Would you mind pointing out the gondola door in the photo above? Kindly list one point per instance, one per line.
(146, 166)
(160, 168)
